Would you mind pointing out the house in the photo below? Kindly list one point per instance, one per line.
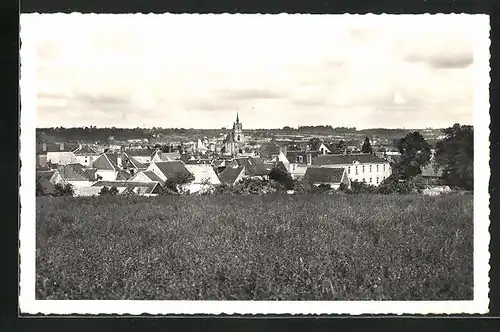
(158, 155)
(147, 176)
(56, 153)
(128, 187)
(332, 177)
(232, 175)
(85, 155)
(106, 166)
(254, 167)
(323, 149)
(129, 163)
(48, 180)
(143, 156)
(298, 161)
(365, 168)
(204, 178)
(431, 175)
(77, 175)
(169, 169)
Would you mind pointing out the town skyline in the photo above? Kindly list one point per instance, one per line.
(276, 71)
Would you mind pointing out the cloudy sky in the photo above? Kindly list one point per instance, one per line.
(197, 71)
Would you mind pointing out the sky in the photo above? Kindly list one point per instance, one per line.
(198, 71)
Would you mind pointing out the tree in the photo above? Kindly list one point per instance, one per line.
(341, 146)
(367, 147)
(415, 153)
(63, 190)
(314, 143)
(179, 179)
(280, 174)
(455, 154)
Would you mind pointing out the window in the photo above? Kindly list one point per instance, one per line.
(356, 169)
(300, 159)
(370, 180)
(370, 169)
(377, 167)
(363, 169)
(383, 167)
(377, 179)
(238, 138)
(348, 169)
(364, 180)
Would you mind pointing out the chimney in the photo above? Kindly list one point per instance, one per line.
(309, 159)
(119, 160)
(61, 146)
(44, 147)
(285, 149)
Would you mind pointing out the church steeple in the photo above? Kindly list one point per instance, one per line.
(237, 118)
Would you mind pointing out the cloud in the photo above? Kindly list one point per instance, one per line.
(116, 71)
(443, 60)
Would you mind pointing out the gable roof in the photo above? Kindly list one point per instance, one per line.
(230, 174)
(133, 162)
(85, 150)
(171, 169)
(75, 172)
(254, 166)
(324, 174)
(104, 162)
(202, 173)
(340, 159)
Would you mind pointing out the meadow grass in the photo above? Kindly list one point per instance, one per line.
(272, 247)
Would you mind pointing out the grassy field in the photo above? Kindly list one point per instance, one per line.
(276, 247)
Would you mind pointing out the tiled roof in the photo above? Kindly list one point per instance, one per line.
(230, 174)
(340, 159)
(171, 169)
(140, 152)
(104, 162)
(324, 174)
(45, 175)
(123, 175)
(152, 175)
(75, 172)
(292, 156)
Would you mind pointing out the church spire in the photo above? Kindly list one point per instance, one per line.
(237, 118)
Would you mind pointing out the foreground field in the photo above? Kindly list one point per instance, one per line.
(283, 247)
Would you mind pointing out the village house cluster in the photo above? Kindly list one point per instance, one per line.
(146, 171)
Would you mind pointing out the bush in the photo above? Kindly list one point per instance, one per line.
(105, 191)
(392, 185)
(63, 190)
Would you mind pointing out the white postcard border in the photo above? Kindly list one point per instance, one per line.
(29, 305)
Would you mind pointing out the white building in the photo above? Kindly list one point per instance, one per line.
(365, 168)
